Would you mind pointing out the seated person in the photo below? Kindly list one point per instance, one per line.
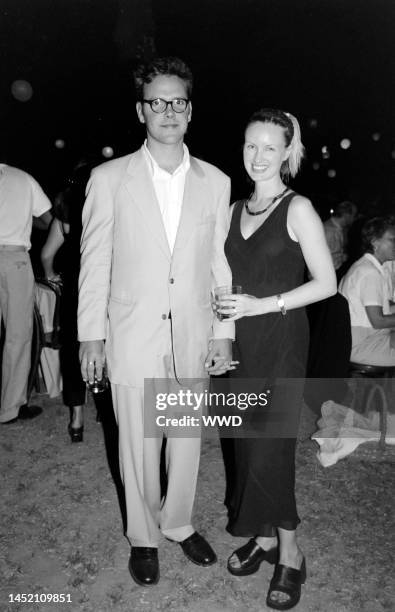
(366, 288)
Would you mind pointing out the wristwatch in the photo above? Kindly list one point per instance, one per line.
(281, 305)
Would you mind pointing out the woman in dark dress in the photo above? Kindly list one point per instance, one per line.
(273, 234)
(63, 242)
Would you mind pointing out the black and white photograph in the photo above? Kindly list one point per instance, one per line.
(197, 305)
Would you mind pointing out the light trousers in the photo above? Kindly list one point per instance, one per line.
(148, 516)
(16, 310)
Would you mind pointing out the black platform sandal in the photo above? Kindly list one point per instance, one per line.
(251, 556)
(286, 580)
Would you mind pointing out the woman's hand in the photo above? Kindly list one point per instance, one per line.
(236, 306)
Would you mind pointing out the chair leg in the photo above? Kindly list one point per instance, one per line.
(383, 411)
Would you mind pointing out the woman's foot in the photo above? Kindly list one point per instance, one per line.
(76, 433)
(77, 417)
(248, 558)
(76, 426)
(289, 575)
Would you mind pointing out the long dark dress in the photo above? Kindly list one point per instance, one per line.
(74, 388)
(269, 347)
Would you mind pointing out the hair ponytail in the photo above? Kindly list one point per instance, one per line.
(297, 149)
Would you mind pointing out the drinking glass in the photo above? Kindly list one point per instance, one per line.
(226, 290)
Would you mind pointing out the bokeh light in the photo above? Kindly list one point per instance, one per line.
(345, 143)
(325, 152)
(59, 143)
(107, 152)
(376, 136)
(316, 166)
(331, 173)
(313, 123)
(21, 90)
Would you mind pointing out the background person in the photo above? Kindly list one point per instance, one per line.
(336, 233)
(21, 200)
(367, 290)
(64, 236)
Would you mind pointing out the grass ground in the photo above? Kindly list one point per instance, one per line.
(61, 528)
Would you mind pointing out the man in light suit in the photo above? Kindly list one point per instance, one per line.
(154, 226)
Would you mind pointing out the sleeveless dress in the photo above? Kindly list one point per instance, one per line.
(270, 348)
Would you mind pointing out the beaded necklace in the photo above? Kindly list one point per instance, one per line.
(260, 212)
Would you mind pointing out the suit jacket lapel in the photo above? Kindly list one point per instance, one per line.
(140, 187)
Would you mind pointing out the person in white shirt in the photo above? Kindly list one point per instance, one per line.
(21, 199)
(154, 227)
(366, 288)
(336, 228)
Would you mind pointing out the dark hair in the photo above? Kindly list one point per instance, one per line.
(61, 206)
(70, 199)
(375, 229)
(291, 128)
(168, 66)
(344, 208)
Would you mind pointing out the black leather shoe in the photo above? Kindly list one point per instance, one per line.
(251, 556)
(29, 412)
(198, 550)
(26, 412)
(144, 565)
(76, 433)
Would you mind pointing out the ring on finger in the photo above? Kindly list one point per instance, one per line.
(91, 362)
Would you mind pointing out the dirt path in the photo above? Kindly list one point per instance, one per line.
(61, 530)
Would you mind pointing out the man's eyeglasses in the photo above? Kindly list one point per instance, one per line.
(159, 105)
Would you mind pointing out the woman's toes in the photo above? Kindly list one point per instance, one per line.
(234, 561)
(279, 596)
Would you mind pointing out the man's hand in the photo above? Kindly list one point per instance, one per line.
(219, 358)
(92, 360)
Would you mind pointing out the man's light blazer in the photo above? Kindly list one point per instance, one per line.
(130, 281)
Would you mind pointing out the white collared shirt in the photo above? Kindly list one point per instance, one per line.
(389, 271)
(365, 285)
(169, 190)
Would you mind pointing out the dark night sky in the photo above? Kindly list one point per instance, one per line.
(332, 60)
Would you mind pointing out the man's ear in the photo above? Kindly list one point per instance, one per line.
(139, 110)
(190, 112)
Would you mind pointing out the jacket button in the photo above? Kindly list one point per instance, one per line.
(171, 281)
(164, 316)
